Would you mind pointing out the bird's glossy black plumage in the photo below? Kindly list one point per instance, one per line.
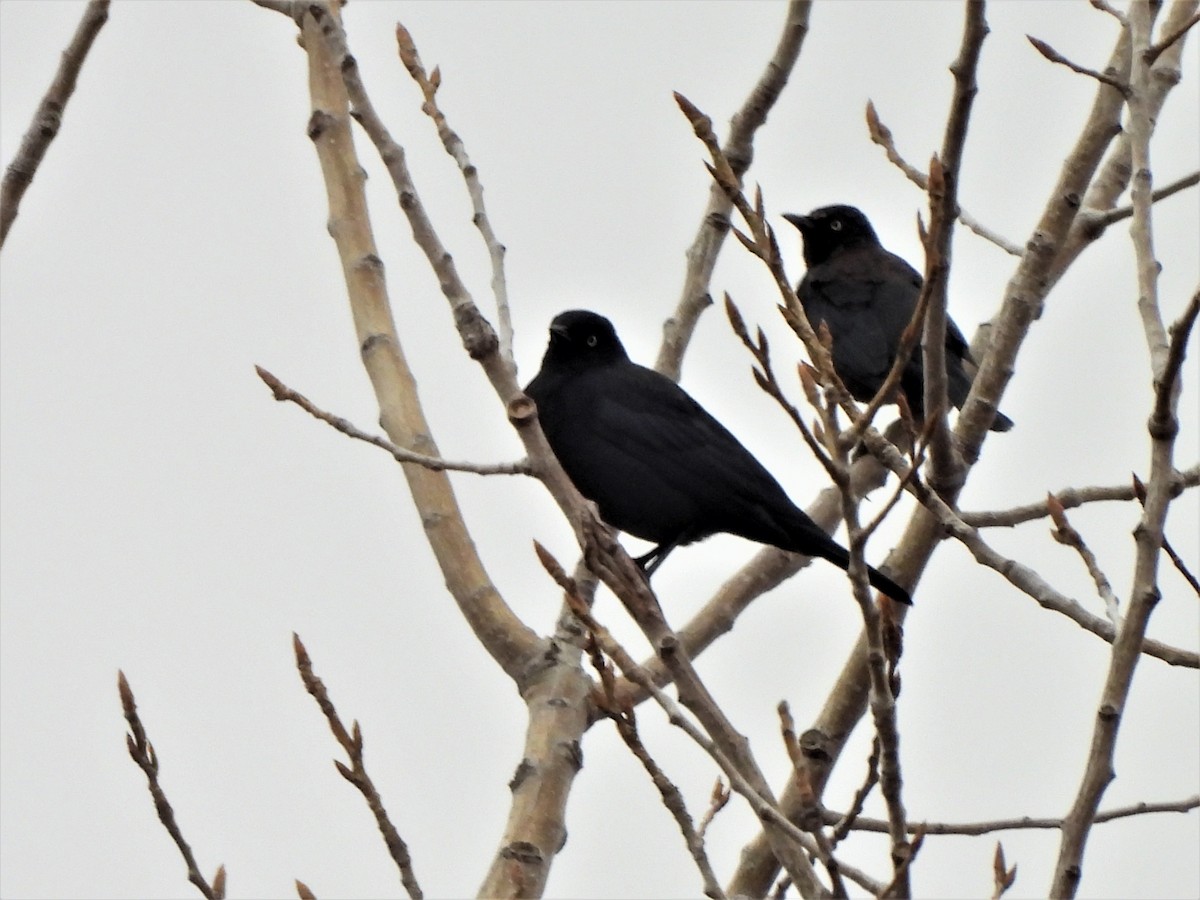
(655, 463)
(866, 296)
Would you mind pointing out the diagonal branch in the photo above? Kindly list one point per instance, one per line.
(1101, 221)
(330, 69)
(739, 149)
(435, 463)
(356, 772)
(142, 753)
(1055, 57)
(429, 85)
(48, 118)
(882, 135)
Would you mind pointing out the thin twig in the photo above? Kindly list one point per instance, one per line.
(1101, 221)
(1055, 57)
(843, 824)
(429, 85)
(625, 720)
(1140, 490)
(142, 753)
(764, 377)
(1167, 385)
(1003, 877)
(1066, 534)
(356, 772)
(1106, 7)
(717, 801)
(1070, 498)
(284, 393)
(882, 135)
(1157, 49)
(974, 829)
(739, 148)
(1162, 428)
(726, 747)
(48, 118)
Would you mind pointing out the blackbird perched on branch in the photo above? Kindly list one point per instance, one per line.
(866, 296)
(655, 463)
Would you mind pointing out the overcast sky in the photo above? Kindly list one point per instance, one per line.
(162, 515)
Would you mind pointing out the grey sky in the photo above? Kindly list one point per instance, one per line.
(162, 515)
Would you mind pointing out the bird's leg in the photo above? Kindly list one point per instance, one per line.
(652, 560)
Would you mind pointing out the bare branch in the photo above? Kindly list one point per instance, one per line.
(142, 753)
(1162, 428)
(764, 377)
(1003, 877)
(882, 135)
(1167, 387)
(455, 147)
(974, 829)
(717, 802)
(331, 73)
(626, 723)
(726, 748)
(1064, 533)
(1101, 221)
(739, 149)
(1113, 177)
(1156, 50)
(356, 772)
(1071, 498)
(284, 393)
(48, 118)
(1106, 7)
(1055, 57)
(1140, 490)
(846, 822)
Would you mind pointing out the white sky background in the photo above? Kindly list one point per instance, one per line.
(163, 515)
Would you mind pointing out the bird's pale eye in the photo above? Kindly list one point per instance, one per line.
(835, 225)
(592, 340)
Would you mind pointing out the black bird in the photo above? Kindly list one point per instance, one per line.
(656, 464)
(866, 296)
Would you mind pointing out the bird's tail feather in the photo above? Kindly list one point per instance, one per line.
(840, 557)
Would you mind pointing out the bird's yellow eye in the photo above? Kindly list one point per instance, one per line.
(592, 340)
(835, 225)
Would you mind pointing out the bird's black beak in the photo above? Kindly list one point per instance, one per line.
(558, 332)
(801, 222)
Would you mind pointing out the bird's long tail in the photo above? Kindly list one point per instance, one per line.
(840, 557)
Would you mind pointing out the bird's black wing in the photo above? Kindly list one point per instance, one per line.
(658, 465)
(866, 298)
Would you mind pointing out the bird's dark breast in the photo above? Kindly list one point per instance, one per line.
(619, 455)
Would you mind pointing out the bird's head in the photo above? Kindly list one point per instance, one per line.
(829, 229)
(580, 338)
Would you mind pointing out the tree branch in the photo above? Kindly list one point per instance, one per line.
(356, 772)
(1071, 498)
(509, 641)
(435, 463)
(142, 753)
(974, 829)
(882, 135)
(1148, 536)
(739, 149)
(455, 147)
(1055, 57)
(48, 118)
